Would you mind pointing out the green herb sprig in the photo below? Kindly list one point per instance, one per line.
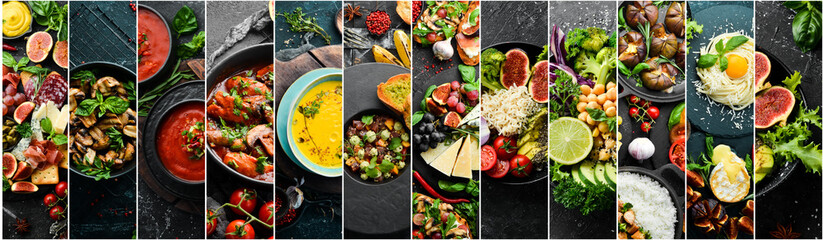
(709, 60)
(806, 25)
(300, 23)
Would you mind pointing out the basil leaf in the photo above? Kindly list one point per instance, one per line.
(719, 47)
(623, 69)
(795, 5)
(60, 139)
(706, 61)
(116, 105)
(385, 166)
(189, 49)
(8, 60)
(806, 29)
(450, 186)
(417, 116)
(45, 125)
(724, 63)
(640, 67)
(429, 91)
(41, 8)
(735, 42)
(367, 119)
(473, 17)
(467, 73)
(674, 117)
(184, 21)
(448, 31)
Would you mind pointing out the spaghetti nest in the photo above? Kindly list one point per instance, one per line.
(738, 92)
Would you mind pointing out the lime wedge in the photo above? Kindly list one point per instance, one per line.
(570, 140)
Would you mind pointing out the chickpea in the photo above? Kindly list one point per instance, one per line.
(581, 107)
(592, 97)
(611, 111)
(603, 127)
(610, 85)
(585, 89)
(589, 120)
(583, 115)
(597, 141)
(583, 98)
(599, 89)
(612, 94)
(593, 105)
(609, 143)
(604, 155)
(607, 104)
(601, 99)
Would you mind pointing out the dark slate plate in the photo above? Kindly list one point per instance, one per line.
(705, 114)
(373, 208)
(191, 91)
(679, 90)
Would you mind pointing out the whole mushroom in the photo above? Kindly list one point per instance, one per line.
(659, 76)
(632, 48)
(676, 19)
(641, 12)
(663, 43)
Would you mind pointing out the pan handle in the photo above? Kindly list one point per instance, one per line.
(626, 92)
(672, 174)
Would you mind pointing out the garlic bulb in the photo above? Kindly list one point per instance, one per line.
(641, 148)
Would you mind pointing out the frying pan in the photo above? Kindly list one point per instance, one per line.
(122, 74)
(239, 61)
(670, 177)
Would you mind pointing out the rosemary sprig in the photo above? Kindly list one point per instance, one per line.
(300, 23)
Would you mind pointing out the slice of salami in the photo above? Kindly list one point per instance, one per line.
(54, 88)
(30, 87)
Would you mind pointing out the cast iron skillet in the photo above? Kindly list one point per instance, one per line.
(123, 75)
(659, 134)
(161, 73)
(532, 51)
(239, 61)
(189, 92)
(671, 178)
(679, 89)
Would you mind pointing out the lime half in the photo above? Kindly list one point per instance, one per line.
(570, 140)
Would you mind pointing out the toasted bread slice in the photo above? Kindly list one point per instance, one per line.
(464, 44)
(396, 94)
(404, 9)
(465, 24)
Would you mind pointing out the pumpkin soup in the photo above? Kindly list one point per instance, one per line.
(317, 124)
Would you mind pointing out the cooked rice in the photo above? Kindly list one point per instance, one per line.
(652, 205)
(508, 111)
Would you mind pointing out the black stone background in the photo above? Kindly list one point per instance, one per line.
(797, 201)
(570, 223)
(514, 211)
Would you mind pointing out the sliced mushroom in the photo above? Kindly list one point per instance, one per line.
(101, 137)
(88, 121)
(75, 95)
(457, 232)
(105, 85)
(264, 134)
(82, 138)
(433, 229)
(90, 157)
(127, 153)
(130, 130)
(110, 121)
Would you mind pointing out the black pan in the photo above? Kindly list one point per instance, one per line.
(673, 180)
(239, 61)
(122, 74)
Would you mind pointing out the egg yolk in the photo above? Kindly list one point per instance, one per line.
(738, 66)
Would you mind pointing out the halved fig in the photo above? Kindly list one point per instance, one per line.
(663, 43)
(539, 84)
(762, 69)
(24, 171)
(515, 70)
(675, 19)
(22, 112)
(452, 119)
(658, 76)
(435, 108)
(641, 12)
(772, 106)
(60, 54)
(441, 93)
(9, 165)
(24, 187)
(632, 49)
(38, 46)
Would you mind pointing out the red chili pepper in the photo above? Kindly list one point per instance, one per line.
(9, 47)
(435, 194)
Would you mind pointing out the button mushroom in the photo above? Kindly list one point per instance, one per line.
(659, 76)
(663, 44)
(632, 48)
(641, 12)
(675, 19)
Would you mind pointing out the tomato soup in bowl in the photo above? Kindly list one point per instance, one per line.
(153, 43)
(180, 141)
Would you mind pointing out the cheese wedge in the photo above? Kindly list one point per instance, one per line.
(433, 153)
(463, 164)
(445, 162)
(475, 157)
(48, 175)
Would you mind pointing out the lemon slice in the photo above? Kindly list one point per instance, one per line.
(570, 140)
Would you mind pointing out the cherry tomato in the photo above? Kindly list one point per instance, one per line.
(645, 104)
(634, 112)
(653, 112)
(677, 154)
(266, 213)
(431, 37)
(238, 229)
(500, 170)
(57, 212)
(488, 158)
(646, 126)
(50, 200)
(417, 234)
(521, 166)
(211, 223)
(506, 147)
(244, 198)
(634, 99)
(62, 189)
(441, 13)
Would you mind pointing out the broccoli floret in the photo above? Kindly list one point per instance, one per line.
(613, 40)
(598, 67)
(582, 40)
(597, 37)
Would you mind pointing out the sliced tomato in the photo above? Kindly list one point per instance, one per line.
(677, 154)
(500, 170)
(488, 158)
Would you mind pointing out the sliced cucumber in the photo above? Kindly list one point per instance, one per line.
(587, 172)
(600, 173)
(576, 174)
(611, 175)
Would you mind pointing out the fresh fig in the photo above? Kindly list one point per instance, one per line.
(435, 108)
(38, 46)
(24, 170)
(515, 70)
(24, 187)
(675, 19)
(641, 12)
(9, 165)
(452, 119)
(762, 69)
(441, 93)
(659, 76)
(60, 54)
(539, 84)
(663, 44)
(22, 112)
(632, 49)
(772, 106)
